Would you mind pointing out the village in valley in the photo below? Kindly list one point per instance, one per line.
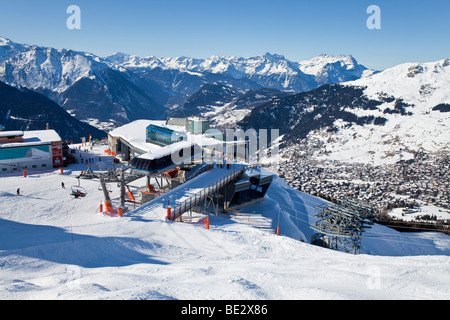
(399, 190)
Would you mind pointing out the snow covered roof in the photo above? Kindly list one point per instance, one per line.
(196, 118)
(167, 150)
(135, 134)
(5, 134)
(42, 135)
(33, 138)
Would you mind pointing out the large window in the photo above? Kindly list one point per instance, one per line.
(163, 136)
(25, 153)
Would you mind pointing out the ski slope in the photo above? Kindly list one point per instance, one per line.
(55, 247)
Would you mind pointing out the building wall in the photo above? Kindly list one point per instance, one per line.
(57, 154)
(197, 126)
(29, 157)
(113, 144)
(11, 139)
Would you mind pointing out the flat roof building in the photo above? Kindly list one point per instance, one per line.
(155, 136)
(30, 150)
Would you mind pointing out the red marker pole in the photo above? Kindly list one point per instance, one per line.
(169, 213)
(278, 227)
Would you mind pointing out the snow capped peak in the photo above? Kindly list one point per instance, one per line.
(4, 41)
(274, 57)
(414, 82)
(9, 49)
(315, 65)
(56, 70)
(119, 55)
(118, 58)
(292, 75)
(35, 67)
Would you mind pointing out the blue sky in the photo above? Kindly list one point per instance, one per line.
(411, 31)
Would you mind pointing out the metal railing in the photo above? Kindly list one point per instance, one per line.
(201, 195)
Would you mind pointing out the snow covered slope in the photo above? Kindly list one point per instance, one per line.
(80, 82)
(39, 68)
(334, 69)
(413, 123)
(382, 118)
(55, 247)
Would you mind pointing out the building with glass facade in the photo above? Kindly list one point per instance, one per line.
(163, 136)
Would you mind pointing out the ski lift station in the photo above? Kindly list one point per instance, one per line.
(149, 136)
(187, 166)
(30, 150)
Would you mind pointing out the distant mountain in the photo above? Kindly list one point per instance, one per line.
(80, 82)
(121, 88)
(27, 110)
(209, 96)
(385, 117)
(224, 105)
(266, 71)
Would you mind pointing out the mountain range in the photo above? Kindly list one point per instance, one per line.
(120, 88)
(344, 110)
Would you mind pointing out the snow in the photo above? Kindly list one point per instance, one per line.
(135, 134)
(412, 215)
(424, 86)
(316, 65)
(32, 138)
(267, 65)
(167, 150)
(41, 135)
(56, 247)
(4, 134)
(45, 68)
(408, 81)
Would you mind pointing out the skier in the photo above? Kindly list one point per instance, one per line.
(18, 191)
(62, 185)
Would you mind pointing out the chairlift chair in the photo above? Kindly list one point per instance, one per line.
(78, 191)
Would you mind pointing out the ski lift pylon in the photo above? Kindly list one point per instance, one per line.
(108, 187)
